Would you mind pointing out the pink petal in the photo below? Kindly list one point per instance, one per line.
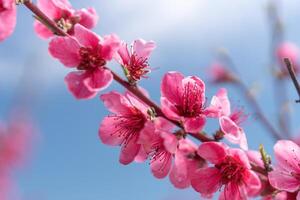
(50, 8)
(163, 124)
(233, 191)
(122, 55)
(7, 19)
(287, 154)
(169, 109)
(141, 156)
(135, 102)
(109, 132)
(214, 152)
(207, 180)
(160, 166)
(171, 87)
(98, 79)
(220, 104)
(255, 158)
(74, 81)
(283, 180)
(42, 31)
(230, 128)
(240, 155)
(110, 45)
(143, 48)
(86, 37)
(170, 141)
(129, 150)
(194, 125)
(88, 17)
(253, 185)
(298, 196)
(195, 81)
(179, 172)
(233, 133)
(66, 50)
(116, 103)
(148, 136)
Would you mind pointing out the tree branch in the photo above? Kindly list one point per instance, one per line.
(292, 73)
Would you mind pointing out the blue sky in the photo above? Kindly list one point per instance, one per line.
(69, 161)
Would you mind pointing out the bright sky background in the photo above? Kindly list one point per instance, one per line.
(69, 161)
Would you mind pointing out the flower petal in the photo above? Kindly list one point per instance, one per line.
(143, 48)
(214, 152)
(169, 109)
(116, 103)
(287, 154)
(74, 81)
(109, 46)
(98, 79)
(219, 105)
(66, 50)
(283, 180)
(109, 132)
(253, 185)
(8, 19)
(194, 125)
(179, 172)
(207, 180)
(171, 87)
(88, 17)
(129, 150)
(161, 165)
(41, 30)
(86, 37)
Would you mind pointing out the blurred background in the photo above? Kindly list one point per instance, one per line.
(69, 161)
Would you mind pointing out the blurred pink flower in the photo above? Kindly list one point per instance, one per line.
(88, 53)
(231, 169)
(159, 144)
(285, 175)
(291, 51)
(65, 16)
(229, 122)
(219, 74)
(183, 100)
(125, 125)
(135, 59)
(7, 18)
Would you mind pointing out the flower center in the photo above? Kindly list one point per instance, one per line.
(90, 59)
(137, 67)
(2, 8)
(66, 22)
(127, 126)
(192, 100)
(231, 170)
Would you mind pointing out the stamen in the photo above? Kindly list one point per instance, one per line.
(90, 59)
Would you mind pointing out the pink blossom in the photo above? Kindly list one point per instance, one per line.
(291, 51)
(7, 18)
(159, 145)
(183, 100)
(219, 74)
(15, 140)
(65, 16)
(124, 126)
(186, 163)
(135, 59)
(88, 53)
(229, 122)
(285, 175)
(230, 168)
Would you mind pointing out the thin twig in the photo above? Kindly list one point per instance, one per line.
(292, 73)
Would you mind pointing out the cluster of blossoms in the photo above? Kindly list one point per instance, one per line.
(146, 131)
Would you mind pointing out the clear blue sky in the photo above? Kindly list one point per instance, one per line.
(69, 161)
